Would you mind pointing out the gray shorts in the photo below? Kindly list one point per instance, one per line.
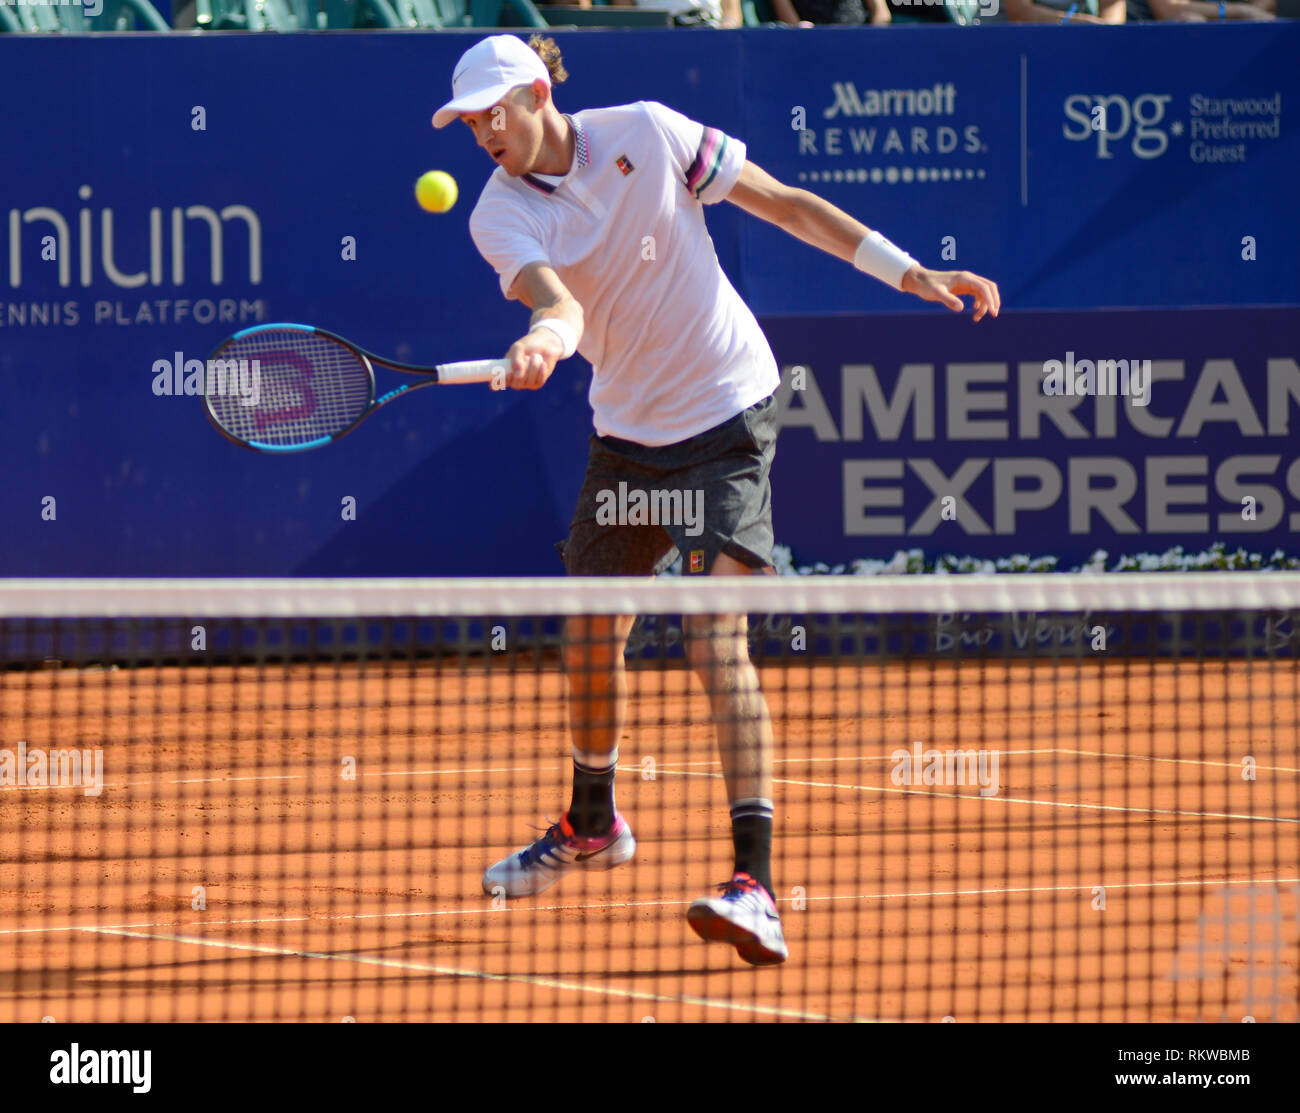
(640, 506)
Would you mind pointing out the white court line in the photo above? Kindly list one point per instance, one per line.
(1003, 799)
(1180, 760)
(614, 906)
(1032, 750)
(331, 772)
(325, 772)
(482, 975)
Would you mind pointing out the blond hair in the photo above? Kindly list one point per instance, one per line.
(549, 53)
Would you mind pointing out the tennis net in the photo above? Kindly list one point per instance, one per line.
(1069, 798)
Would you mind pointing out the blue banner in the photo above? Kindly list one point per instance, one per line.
(1103, 170)
(950, 438)
(230, 180)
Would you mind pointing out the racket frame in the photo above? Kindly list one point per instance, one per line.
(471, 371)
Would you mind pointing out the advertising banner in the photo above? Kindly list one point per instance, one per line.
(1129, 189)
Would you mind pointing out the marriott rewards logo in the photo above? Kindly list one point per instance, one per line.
(899, 134)
(168, 250)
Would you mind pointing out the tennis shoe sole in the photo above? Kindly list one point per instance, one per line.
(749, 922)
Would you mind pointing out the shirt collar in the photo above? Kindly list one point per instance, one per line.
(548, 183)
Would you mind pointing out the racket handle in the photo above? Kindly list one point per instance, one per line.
(472, 371)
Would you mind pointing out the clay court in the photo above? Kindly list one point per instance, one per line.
(305, 841)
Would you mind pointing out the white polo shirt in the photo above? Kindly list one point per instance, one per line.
(674, 348)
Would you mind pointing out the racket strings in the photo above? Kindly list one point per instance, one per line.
(283, 388)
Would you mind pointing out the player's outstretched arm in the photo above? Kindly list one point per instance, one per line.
(817, 222)
(554, 330)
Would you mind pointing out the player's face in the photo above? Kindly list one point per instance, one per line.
(510, 131)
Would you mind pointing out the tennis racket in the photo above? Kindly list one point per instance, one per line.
(288, 388)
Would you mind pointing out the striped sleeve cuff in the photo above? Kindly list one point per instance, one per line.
(717, 165)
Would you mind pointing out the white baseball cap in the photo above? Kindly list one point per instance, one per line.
(486, 72)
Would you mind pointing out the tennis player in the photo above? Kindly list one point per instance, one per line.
(595, 221)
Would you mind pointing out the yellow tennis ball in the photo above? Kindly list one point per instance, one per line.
(436, 191)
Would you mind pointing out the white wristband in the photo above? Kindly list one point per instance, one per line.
(563, 330)
(881, 259)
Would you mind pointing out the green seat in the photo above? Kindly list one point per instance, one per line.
(758, 12)
(34, 17)
(306, 15)
(296, 15)
(130, 15)
(611, 16)
(358, 14)
(962, 12)
(249, 15)
(226, 15)
(431, 13)
(300, 15)
(208, 12)
(454, 13)
(283, 15)
(490, 13)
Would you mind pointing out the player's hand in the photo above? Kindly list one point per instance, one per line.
(532, 359)
(948, 287)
